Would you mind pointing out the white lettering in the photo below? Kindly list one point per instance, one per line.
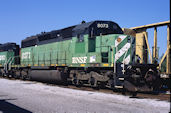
(93, 59)
(102, 25)
(2, 57)
(25, 55)
(76, 60)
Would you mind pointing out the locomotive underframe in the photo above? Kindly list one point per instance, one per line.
(139, 77)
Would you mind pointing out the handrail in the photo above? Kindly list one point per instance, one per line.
(9, 68)
(124, 62)
(5, 64)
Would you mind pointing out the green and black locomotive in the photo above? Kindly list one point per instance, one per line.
(96, 53)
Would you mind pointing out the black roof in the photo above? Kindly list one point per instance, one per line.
(83, 25)
(111, 28)
(29, 41)
(8, 46)
(30, 38)
(72, 31)
(48, 37)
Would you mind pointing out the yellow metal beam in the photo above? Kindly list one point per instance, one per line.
(155, 44)
(161, 61)
(168, 70)
(152, 25)
(145, 33)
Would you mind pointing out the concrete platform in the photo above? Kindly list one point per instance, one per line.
(25, 96)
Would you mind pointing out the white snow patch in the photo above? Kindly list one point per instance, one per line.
(149, 105)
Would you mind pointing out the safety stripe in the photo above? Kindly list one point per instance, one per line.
(127, 60)
(122, 51)
(122, 38)
(123, 56)
(122, 43)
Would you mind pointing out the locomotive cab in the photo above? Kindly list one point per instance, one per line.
(97, 28)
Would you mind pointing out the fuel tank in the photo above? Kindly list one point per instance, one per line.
(50, 76)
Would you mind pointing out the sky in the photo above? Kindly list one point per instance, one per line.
(23, 18)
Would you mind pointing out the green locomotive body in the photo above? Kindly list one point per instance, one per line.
(96, 53)
(6, 58)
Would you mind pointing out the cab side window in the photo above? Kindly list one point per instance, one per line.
(80, 37)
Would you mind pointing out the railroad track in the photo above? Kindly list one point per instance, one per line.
(140, 95)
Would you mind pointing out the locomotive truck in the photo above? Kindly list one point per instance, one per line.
(96, 53)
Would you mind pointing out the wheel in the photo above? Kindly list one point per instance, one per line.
(23, 77)
(123, 92)
(15, 76)
(28, 77)
(134, 94)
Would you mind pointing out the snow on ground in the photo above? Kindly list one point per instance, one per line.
(45, 97)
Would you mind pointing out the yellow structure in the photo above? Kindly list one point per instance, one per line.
(155, 56)
(141, 47)
(168, 64)
(141, 30)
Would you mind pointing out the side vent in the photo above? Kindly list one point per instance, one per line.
(104, 57)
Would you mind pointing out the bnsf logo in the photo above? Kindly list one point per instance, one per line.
(76, 60)
(102, 26)
(2, 57)
(25, 55)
